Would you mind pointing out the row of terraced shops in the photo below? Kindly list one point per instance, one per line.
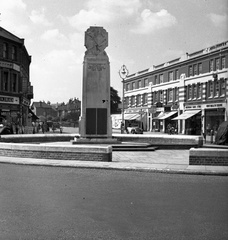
(190, 93)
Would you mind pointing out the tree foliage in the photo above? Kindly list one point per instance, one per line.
(115, 100)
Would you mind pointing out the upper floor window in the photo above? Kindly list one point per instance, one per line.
(161, 78)
(216, 88)
(126, 102)
(145, 98)
(200, 68)
(14, 82)
(139, 83)
(223, 87)
(170, 76)
(194, 91)
(210, 88)
(5, 81)
(199, 90)
(223, 62)
(190, 71)
(211, 65)
(217, 63)
(5, 50)
(177, 74)
(146, 82)
(161, 96)
(127, 87)
(155, 79)
(133, 85)
(138, 100)
(14, 53)
(156, 97)
(132, 100)
(170, 95)
(195, 69)
(176, 94)
(189, 92)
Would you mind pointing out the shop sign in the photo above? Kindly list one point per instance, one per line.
(10, 65)
(9, 99)
(160, 109)
(193, 107)
(214, 105)
(25, 102)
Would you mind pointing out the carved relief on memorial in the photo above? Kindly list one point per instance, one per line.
(96, 40)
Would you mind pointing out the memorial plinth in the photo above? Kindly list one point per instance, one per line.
(95, 120)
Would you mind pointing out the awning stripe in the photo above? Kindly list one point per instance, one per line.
(186, 115)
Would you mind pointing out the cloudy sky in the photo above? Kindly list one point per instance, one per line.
(142, 33)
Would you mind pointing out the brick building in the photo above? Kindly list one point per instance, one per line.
(16, 91)
(190, 92)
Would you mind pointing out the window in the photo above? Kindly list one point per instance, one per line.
(133, 85)
(161, 96)
(223, 87)
(199, 90)
(5, 50)
(127, 87)
(14, 53)
(126, 102)
(138, 100)
(176, 94)
(200, 68)
(14, 83)
(146, 83)
(170, 76)
(156, 97)
(210, 89)
(177, 74)
(217, 63)
(132, 100)
(216, 83)
(155, 79)
(161, 78)
(194, 91)
(211, 65)
(5, 81)
(190, 71)
(139, 83)
(170, 94)
(189, 92)
(145, 98)
(223, 62)
(195, 69)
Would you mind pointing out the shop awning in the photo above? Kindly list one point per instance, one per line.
(167, 115)
(186, 115)
(157, 115)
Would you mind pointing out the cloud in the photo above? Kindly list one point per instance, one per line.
(102, 12)
(38, 17)
(149, 21)
(218, 20)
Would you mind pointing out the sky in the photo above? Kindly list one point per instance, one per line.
(142, 33)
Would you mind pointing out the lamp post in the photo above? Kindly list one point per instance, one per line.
(123, 72)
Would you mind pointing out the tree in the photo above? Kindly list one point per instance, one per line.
(115, 100)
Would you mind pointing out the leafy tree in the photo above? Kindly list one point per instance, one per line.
(115, 100)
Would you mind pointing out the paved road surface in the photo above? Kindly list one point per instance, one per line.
(63, 203)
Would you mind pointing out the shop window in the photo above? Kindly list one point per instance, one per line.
(139, 83)
(14, 53)
(216, 83)
(217, 63)
(200, 68)
(5, 50)
(223, 86)
(170, 76)
(170, 95)
(189, 92)
(195, 69)
(211, 65)
(5, 81)
(177, 74)
(161, 78)
(190, 71)
(223, 62)
(138, 100)
(146, 82)
(199, 90)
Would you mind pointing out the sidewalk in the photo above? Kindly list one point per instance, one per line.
(162, 161)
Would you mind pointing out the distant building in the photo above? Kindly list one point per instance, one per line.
(16, 90)
(43, 111)
(189, 92)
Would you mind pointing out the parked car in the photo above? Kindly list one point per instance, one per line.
(135, 130)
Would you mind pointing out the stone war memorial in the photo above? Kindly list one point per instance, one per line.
(95, 120)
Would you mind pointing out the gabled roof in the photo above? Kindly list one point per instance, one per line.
(4, 33)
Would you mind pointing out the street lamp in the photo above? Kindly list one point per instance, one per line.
(123, 72)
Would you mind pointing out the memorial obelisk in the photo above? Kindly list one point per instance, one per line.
(95, 120)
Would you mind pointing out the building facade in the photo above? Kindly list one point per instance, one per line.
(190, 92)
(16, 91)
